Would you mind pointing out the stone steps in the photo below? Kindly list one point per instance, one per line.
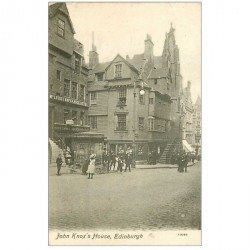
(55, 151)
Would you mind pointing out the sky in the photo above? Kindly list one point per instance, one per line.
(122, 28)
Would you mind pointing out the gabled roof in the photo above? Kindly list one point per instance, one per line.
(62, 7)
(125, 61)
(100, 67)
(137, 61)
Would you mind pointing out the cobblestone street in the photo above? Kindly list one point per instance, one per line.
(142, 199)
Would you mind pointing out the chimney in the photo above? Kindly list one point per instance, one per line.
(149, 48)
(93, 55)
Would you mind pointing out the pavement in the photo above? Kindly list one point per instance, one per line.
(67, 170)
(144, 199)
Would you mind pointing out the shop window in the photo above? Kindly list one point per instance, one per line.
(66, 115)
(140, 149)
(121, 122)
(61, 28)
(66, 90)
(82, 118)
(118, 70)
(141, 123)
(74, 116)
(93, 121)
(74, 90)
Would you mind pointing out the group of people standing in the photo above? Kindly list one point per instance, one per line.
(183, 158)
(119, 161)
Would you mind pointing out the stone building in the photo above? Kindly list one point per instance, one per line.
(197, 123)
(68, 73)
(134, 102)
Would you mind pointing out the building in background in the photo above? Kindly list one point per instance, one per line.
(197, 123)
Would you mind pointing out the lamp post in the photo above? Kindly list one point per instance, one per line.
(141, 92)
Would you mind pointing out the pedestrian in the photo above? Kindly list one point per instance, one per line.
(121, 158)
(185, 162)
(128, 159)
(59, 163)
(112, 160)
(179, 162)
(91, 168)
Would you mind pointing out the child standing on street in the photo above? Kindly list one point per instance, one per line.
(91, 167)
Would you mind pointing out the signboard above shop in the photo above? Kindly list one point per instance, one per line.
(68, 100)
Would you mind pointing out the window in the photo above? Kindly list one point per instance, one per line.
(58, 75)
(141, 99)
(74, 90)
(121, 125)
(77, 65)
(82, 118)
(93, 96)
(151, 100)
(122, 96)
(155, 81)
(74, 116)
(93, 121)
(118, 70)
(65, 115)
(99, 77)
(141, 123)
(60, 28)
(150, 124)
(82, 93)
(66, 88)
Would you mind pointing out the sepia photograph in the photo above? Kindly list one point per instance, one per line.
(124, 123)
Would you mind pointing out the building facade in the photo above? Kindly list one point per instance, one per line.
(131, 99)
(68, 74)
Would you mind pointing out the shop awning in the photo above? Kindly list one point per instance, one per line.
(186, 146)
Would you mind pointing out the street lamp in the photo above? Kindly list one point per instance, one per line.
(141, 92)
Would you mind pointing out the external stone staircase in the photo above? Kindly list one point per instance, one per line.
(54, 151)
(168, 152)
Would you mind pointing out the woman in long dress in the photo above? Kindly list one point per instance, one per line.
(91, 167)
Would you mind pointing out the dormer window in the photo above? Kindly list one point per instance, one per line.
(60, 28)
(155, 81)
(100, 77)
(118, 70)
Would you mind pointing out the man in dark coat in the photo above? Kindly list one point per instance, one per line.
(128, 159)
(185, 161)
(59, 164)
